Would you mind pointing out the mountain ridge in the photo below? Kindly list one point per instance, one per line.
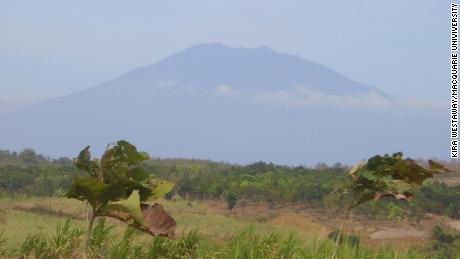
(172, 61)
(228, 104)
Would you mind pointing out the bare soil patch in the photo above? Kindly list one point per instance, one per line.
(318, 222)
(451, 181)
(455, 224)
(396, 233)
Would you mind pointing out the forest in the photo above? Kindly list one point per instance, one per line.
(29, 173)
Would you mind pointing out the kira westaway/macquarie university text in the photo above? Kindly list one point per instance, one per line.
(454, 82)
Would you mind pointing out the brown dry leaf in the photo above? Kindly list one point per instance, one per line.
(158, 221)
(437, 166)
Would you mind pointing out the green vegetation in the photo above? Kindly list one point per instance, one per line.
(202, 233)
(231, 200)
(445, 243)
(117, 186)
(65, 243)
(379, 177)
(247, 243)
(28, 173)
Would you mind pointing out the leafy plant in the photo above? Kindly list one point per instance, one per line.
(384, 176)
(388, 176)
(231, 200)
(65, 241)
(120, 188)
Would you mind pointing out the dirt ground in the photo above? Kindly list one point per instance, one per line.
(306, 221)
(451, 181)
(455, 224)
(318, 222)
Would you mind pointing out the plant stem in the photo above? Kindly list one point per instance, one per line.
(340, 232)
(89, 234)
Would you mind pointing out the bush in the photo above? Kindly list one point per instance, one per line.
(445, 243)
(231, 200)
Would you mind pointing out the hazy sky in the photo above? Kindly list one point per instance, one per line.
(52, 48)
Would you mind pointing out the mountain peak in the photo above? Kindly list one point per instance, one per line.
(209, 45)
(220, 102)
(207, 65)
(218, 46)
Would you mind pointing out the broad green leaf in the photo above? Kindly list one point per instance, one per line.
(368, 175)
(144, 155)
(129, 209)
(139, 174)
(152, 219)
(161, 188)
(130, 185)
(126, 152)
(400, 186)
(380, 162)
(95, 192)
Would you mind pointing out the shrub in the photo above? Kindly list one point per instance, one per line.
(231, 200)
(445, 243)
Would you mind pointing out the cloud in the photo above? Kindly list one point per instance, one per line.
(225, 90)
(414, 102)
(166, 83)
(304, 97)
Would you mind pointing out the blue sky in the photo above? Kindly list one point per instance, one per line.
(53, 48)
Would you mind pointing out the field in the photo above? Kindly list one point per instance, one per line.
(216, 227)
(222, 210)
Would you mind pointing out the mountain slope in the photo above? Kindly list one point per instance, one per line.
(235, 104)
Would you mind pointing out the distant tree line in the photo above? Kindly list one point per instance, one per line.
(260, 182)
(29, 173)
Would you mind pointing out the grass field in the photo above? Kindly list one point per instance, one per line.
(221, 234)
(24, 216)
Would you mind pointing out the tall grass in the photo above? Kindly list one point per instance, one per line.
(248, 244)
(245, 244)
(64, 243)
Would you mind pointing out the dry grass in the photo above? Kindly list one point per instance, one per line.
(215, 223)
(308, 223)
(302, 223)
